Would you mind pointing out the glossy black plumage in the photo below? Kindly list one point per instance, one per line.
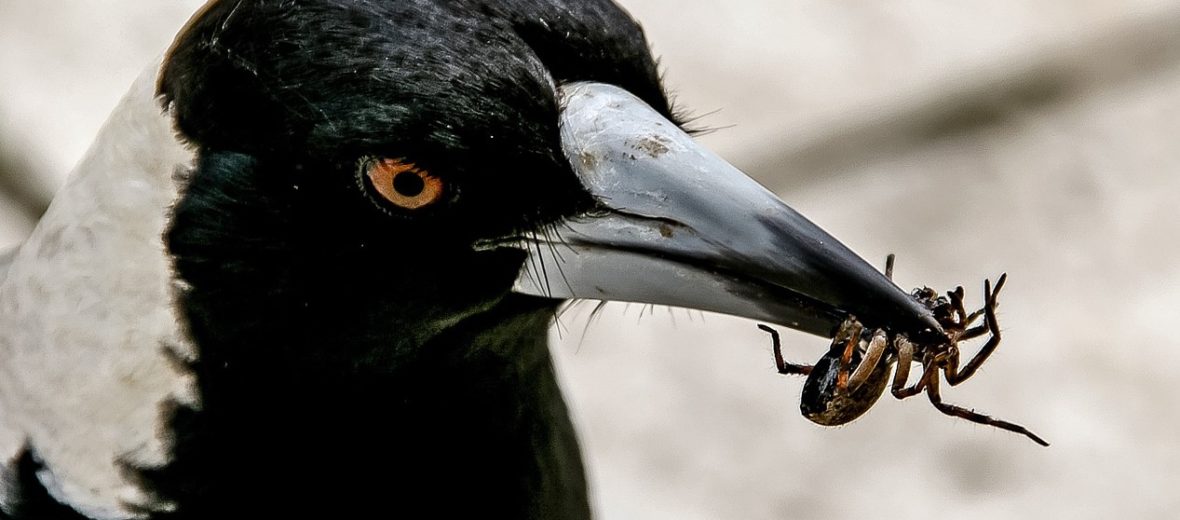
(352, 360)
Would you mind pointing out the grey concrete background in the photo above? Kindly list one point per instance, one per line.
(1036, 138)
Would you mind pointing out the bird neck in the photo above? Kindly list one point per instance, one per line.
(478, 409)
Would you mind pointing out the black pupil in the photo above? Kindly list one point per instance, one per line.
(409, 184)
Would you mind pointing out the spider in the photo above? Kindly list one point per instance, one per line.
(853, 374)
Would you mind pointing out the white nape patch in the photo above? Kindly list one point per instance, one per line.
(86, 312)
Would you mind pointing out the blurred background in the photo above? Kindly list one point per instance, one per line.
(1041, 139)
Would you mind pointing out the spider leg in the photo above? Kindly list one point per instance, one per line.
(905, 357)
(966, 319)
(972, 317)
(955, 375)
(784, 367)
(973, 416)
(956, 297)
(877, 347)
(972, 333)
(846, 358)
(969, 318)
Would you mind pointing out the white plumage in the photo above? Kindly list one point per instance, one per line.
(88, 314)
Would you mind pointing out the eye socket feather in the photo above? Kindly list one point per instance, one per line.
(402, 184)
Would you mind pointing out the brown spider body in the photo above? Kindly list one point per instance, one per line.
(853, 374)
(821, 402)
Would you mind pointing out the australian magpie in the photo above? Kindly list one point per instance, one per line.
(308, 267)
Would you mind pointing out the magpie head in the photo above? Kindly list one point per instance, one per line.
(461, 94)
(446, 151)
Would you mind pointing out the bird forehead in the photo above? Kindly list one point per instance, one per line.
(359, 72)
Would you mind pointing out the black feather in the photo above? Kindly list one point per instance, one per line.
(354, 360)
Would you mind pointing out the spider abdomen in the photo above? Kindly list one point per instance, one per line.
(824, 404)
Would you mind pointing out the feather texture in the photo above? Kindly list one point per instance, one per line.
(89, 332)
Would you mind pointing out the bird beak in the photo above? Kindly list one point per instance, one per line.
(680, 226)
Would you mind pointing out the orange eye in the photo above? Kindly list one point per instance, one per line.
(403, 184)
